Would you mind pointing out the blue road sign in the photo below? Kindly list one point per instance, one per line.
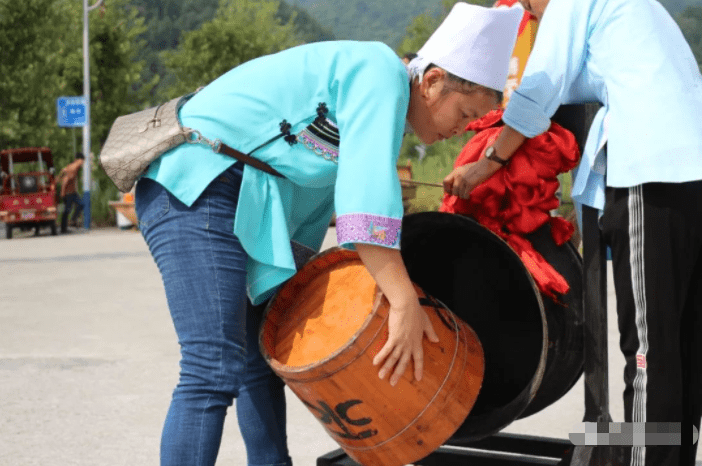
(71, 111)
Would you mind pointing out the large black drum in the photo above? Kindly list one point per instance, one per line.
(533, 346)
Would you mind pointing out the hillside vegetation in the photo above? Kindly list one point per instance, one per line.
(144, 51)
(168, 21)
(387, 20)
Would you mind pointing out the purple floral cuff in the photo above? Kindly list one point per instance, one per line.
(369, 229)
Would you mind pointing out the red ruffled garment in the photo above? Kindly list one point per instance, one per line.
(518, 198)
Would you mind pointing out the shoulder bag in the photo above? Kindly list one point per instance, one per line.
(137, 139)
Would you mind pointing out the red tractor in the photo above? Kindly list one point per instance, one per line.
(28, 195)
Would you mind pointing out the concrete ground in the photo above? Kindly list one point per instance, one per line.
(88, 359)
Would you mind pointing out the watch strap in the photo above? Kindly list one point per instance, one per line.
(491, 154)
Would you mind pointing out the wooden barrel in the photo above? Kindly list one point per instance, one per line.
(533, 346)
(320, 334)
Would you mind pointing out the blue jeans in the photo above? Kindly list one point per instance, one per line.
(203, 267)
(70, 200)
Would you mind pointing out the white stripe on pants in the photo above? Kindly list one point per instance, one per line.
(638, 281)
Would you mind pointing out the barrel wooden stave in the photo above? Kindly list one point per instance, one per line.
(372, 421)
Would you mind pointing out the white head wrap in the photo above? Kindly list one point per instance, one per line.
(474, 43)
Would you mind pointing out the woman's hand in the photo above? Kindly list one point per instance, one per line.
(464, 179)
(407, 325)
(407, 321)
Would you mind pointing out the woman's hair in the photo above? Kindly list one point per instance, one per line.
(456, 83)
(409, 56)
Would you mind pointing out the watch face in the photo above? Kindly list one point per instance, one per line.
(490, 155)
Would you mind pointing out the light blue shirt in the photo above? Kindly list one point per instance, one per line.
(630, 56)
(365, 88)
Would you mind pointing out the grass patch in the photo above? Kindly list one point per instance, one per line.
(566, 204)
(432, 168)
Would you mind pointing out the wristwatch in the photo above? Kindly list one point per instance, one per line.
(490, 154)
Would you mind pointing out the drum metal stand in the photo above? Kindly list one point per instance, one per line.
(595, 342)
(513, 450)
(497, 450)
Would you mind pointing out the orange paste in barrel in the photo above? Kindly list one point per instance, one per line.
(328, 313)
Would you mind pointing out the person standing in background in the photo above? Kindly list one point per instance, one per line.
(68, 178)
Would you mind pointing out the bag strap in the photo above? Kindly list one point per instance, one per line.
(220, 148)
(247, 159)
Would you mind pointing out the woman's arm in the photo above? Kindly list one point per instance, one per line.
(407, 322)
(462, 180)
(555, 62)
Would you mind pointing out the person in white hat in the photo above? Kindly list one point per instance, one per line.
(327, 121)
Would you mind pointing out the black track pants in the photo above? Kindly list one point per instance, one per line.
(655, 233)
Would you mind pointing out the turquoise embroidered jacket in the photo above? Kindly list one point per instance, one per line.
(364, 87)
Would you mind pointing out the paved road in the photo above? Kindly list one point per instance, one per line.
(88, 359)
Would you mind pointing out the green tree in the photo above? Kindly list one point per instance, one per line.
(417, 33)
(115, 72)
(369, 20)
(306, 28)
(676, 7)
(31, 58)
(242, 30)
(169, 20)
(114, 68)
(422, 26)
(690, 22)
(43, 60)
